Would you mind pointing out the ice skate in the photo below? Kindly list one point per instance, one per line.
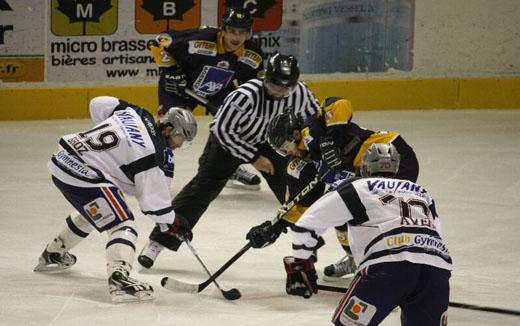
(123, 288)
(243, 179)
(149, 253)
(54, 261)
(345, 268)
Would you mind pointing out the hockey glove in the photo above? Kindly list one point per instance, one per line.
(174, 80)
(301, 277)
(180, 228)
(266, 233)
(330, 154)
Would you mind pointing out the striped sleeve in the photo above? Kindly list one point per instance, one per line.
(234, 111)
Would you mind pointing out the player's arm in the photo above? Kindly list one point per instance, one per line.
(102, 107)
(153, 196)
(170, 69)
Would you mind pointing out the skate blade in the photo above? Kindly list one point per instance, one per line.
(238, 185)
(344, 278)
(50, 268)
(122, 296)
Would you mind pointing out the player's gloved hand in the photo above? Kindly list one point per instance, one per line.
(329, 153)
(301, 277)
(174, 80)
(266, 233)
(180, 228)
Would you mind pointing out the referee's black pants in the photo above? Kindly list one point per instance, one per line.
(215, 167)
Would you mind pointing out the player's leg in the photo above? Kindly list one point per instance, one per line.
(428, 305)
(215, 167)
(374, 292)
(56, 254)
(346, 267)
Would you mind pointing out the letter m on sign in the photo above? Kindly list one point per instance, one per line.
(83, 17)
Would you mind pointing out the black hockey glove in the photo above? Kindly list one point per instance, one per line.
(301, 277)
(266, 233)
(174, 80)
(330, 153)
(180, 228)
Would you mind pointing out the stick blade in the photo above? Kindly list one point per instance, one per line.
(232, 294)
(178, 286)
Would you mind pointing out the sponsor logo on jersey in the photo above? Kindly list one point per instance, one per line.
(99, 212)
(357, 312)
(395, 185)
(295, 167)
(133, 129)
(74, 166)
(212, 80)
(424, 240)
(251, 58)
(202, 47)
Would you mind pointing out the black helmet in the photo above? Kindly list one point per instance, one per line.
(237, 17)
(281, 129)
(282, 70)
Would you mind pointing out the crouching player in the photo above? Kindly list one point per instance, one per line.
(127, 152)
(395, 236)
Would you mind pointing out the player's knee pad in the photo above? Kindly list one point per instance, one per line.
(120, 248)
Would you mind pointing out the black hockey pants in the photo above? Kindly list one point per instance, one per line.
(215, 167)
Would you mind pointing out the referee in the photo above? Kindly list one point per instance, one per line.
(239, 135)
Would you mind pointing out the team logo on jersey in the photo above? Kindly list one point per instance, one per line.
(83, 17)
(223, 64)
(357, 312)
(212, 80)
(307, 138)
(202, 47)
(251, 58)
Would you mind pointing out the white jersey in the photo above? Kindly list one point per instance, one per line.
(125, 149)
(388, 220)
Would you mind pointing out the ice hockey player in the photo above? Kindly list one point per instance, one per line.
(237, 135)
(127, 152)
(396, 241)
(329, 139)
(212, 63)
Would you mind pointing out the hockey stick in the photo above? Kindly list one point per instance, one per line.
(232, 294)
(210, 107)
(175, 285)
(451, 304)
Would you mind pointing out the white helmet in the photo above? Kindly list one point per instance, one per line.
(182, 121)
(380, 159)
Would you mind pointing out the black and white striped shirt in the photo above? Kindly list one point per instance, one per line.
(242, 121)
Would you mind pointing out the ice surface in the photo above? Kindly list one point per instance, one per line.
(470, 163)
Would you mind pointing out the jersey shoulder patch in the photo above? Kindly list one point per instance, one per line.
(251, 58)
(202, 47)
